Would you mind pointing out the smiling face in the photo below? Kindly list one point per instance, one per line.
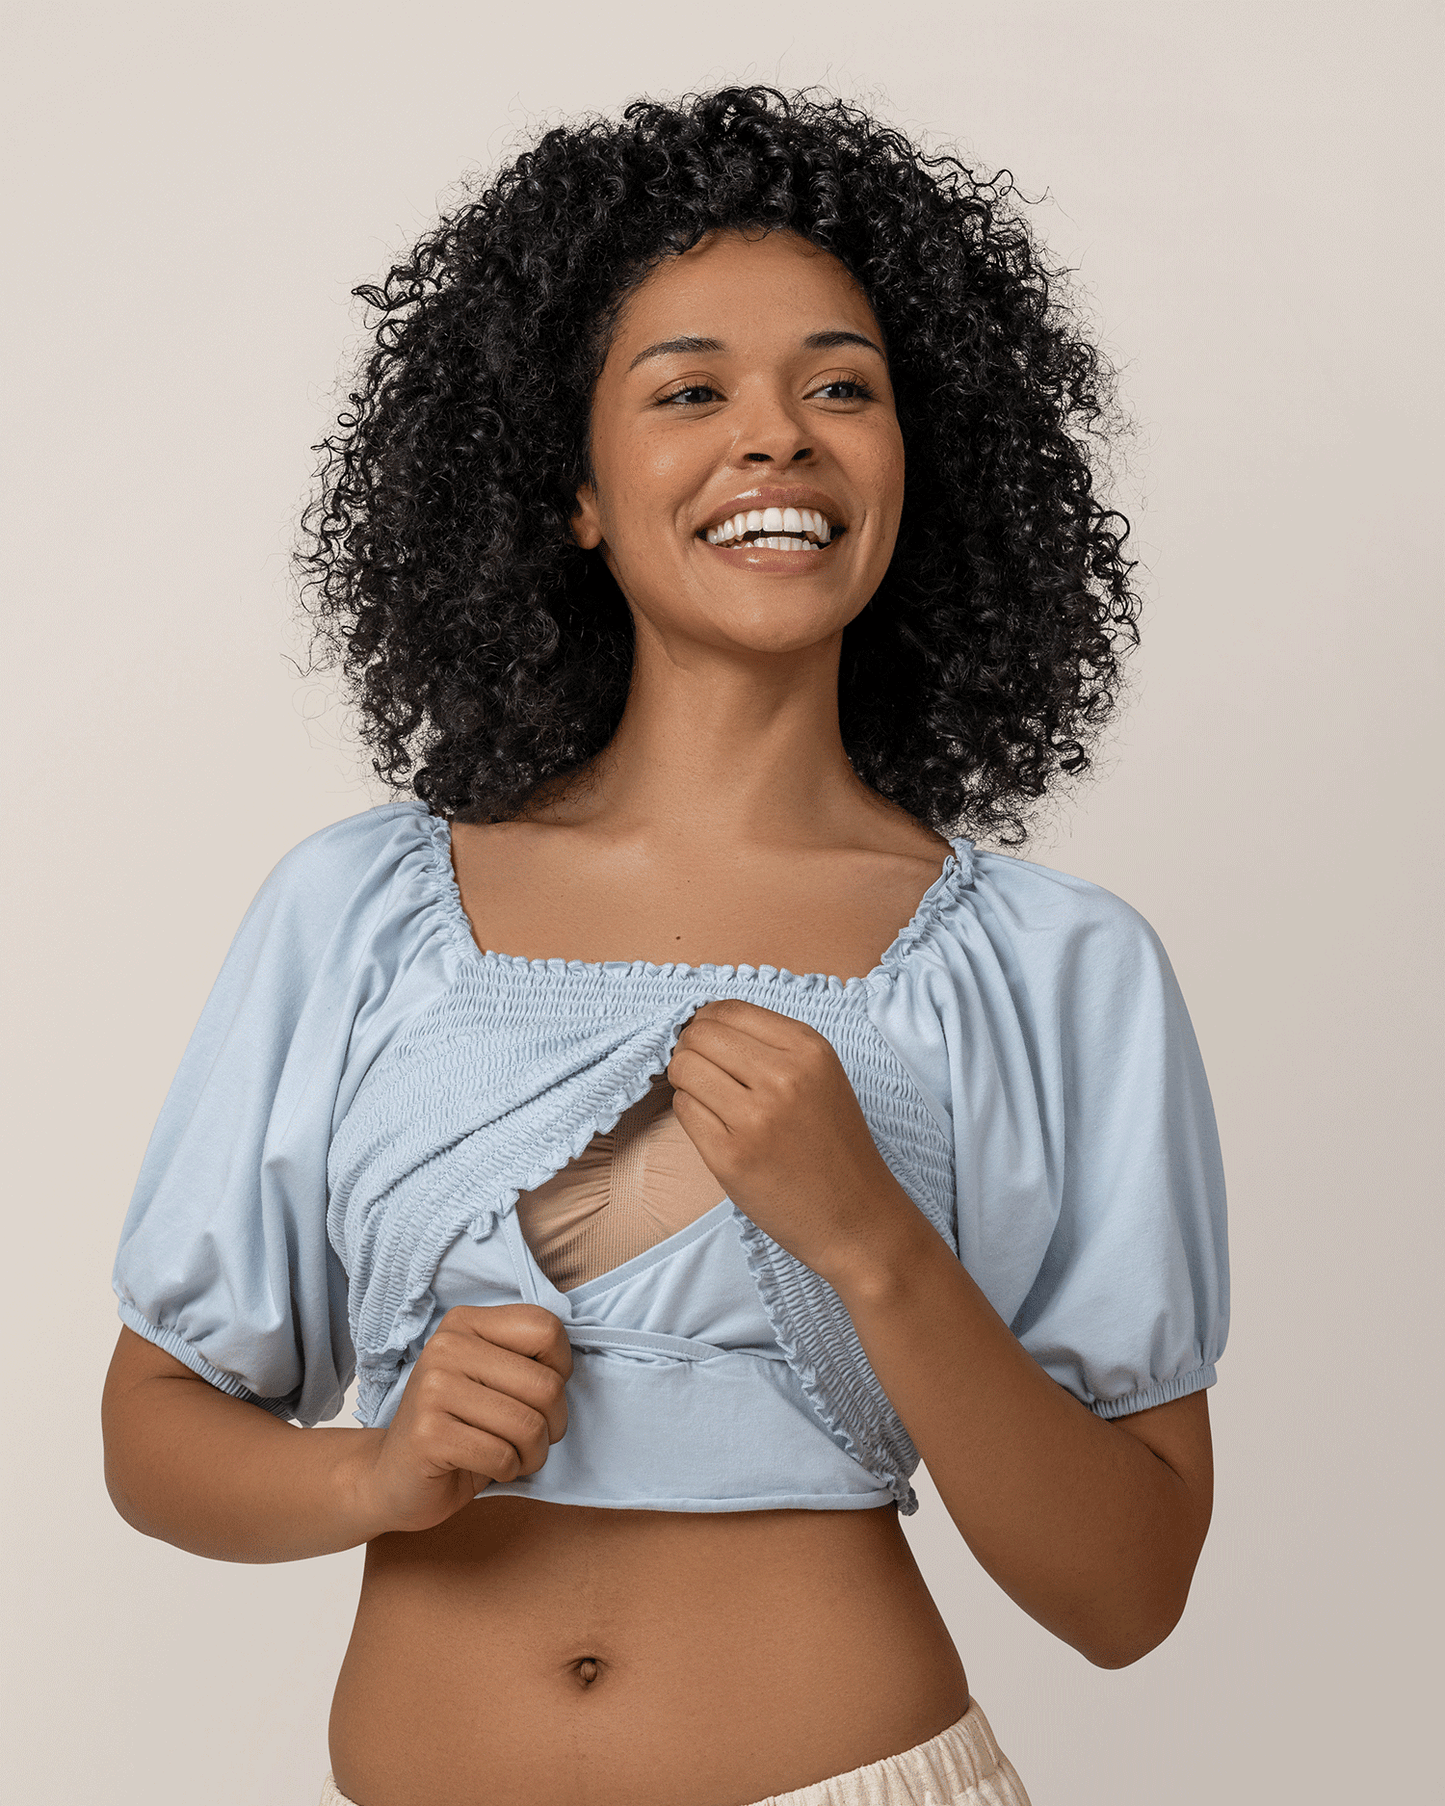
(746, 458)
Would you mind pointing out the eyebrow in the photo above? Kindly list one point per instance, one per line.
(668, 347)
(815, 341)
(825, 341)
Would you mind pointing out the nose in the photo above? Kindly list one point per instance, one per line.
(770, 433)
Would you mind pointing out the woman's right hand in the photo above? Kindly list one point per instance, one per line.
(484, 1402)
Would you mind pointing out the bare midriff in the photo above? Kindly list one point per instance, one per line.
(531, 1654)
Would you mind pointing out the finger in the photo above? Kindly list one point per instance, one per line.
(751, 1062)
(771, 1081)
(452, 1396)
(472, 1451)
(752, 1059)
(498, 1414)
(456, 1349)
(696, 1076)
(701, 1125)
(771, 1027)
(526, 1329)
(531, 1383)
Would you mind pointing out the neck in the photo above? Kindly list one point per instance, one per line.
(729, 749)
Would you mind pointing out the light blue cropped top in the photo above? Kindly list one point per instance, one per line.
(367, 1094)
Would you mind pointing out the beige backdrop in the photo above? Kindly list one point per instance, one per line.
(1248, 193)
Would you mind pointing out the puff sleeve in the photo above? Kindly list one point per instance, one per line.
(1047, 1027)
(225, 1259)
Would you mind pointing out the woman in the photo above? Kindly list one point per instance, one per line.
(675, 1129)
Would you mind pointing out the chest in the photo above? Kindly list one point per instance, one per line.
(560, 893)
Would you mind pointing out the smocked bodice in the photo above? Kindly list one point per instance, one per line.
(508, 1077)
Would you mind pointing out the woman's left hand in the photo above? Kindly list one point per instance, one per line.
(766, 1103)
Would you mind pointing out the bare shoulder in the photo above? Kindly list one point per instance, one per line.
(491, 839)
(920, 845)
(511, 869)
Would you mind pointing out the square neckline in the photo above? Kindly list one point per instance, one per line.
(955, 873)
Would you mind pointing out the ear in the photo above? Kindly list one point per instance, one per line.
(586, 521)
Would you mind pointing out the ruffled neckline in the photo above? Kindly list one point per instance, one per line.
(956, 875)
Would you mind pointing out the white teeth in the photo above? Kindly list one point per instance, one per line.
(772, 521)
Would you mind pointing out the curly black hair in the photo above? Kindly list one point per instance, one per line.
(488, 654)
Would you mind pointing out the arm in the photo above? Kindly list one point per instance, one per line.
(1093, 1526)
(189, 1464)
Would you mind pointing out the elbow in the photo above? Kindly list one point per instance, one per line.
(1124, 1654)
(1121, 1645)
(127, 1437)
(125, 1509)
(117, 1469)
(113, 1463)
(1148, 1606)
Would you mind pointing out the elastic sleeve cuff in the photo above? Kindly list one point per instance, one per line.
(1160, 1393)
(177, 1345)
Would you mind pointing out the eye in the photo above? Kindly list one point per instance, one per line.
(843, 388)
(690, 395)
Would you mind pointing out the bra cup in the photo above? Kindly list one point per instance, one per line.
(631, 1187)
(675, 1186)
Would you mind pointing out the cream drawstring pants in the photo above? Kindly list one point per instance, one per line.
(962, 1766)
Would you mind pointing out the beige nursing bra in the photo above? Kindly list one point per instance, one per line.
(628, 1189)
